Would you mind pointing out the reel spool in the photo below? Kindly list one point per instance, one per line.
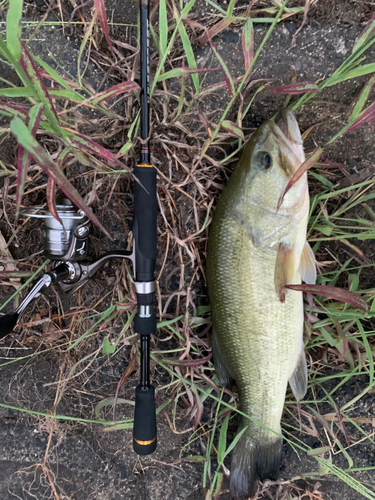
(67, 242)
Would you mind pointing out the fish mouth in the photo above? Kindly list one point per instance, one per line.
(287, 123)
(283, 137)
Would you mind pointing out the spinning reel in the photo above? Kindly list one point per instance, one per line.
(66, 244)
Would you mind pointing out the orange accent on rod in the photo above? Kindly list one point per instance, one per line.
(144, 165)
(145, 443)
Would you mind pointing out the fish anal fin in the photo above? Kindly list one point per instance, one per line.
(284, 270)
(298, 381)
(220, 367)
(307, 266)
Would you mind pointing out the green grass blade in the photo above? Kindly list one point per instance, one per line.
(28, 142)
(366, 69)
(227, 76)
(349, 480)
(54, 75)
(103, 318)
(231, 5)
(189, 55)
(35, 115)
(347, 66)
(366, 34)
(185, 11)
(222, 440)
(27, 282)
(41, 93)
(69, 95)
(7, 55)
(13, 28)
(103, 21)
(119, 89)
(369, 354)
(215, 30)
(235, 441)
(178, 72)
(163, 27)
(233, 129)
(17, 92)
(57, 417)
(247, 40)
(361, 101)
(83, 45)
(216, 7)
(5, 52)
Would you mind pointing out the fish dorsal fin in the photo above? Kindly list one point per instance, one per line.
(298, 381)
(307, 267)
(284, 269)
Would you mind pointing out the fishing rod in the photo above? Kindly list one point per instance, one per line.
(144, 232)
(66, 246)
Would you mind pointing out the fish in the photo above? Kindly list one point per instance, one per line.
(255, 247)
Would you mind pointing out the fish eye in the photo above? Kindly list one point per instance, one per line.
(265, 160)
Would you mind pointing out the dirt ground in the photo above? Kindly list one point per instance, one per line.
(84, 461)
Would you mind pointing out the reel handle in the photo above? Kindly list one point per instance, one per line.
(7, 324)
(9, 321)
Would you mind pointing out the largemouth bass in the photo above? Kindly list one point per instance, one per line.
(255, 249)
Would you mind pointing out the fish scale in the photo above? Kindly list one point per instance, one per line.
(255, 248)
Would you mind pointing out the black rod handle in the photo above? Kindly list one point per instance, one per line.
(7, 323)
(144, 430)
(144, 223)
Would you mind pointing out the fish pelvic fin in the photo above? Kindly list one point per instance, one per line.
(298, 381)
(251, 459)
(220, 367)
(307, 266)
(284, 270)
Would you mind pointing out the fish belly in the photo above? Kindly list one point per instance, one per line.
(258, 338)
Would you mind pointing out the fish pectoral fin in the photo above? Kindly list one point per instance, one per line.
(222, 371)
(284, 270)
(307, 266)
(298, 381)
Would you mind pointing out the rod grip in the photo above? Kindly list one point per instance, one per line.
(144, 224)
(144, 430)
(7, 323)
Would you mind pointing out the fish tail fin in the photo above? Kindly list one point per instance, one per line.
(269, 459)
(243, 468)
(251, 459)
